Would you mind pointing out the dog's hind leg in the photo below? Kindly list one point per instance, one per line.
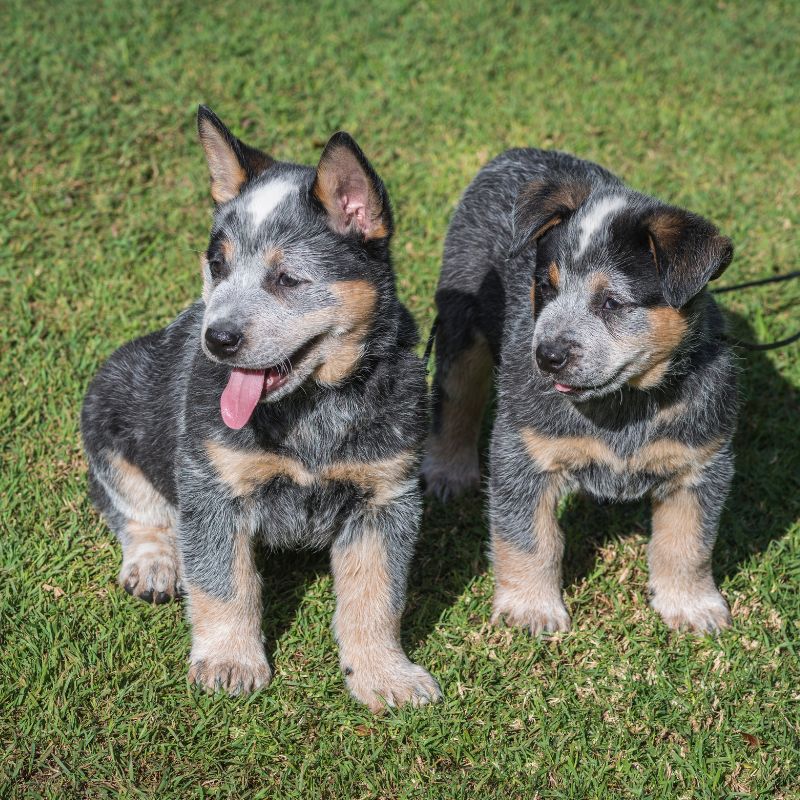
(460, 392)
(143, 521)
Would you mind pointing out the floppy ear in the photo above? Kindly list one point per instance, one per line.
(542, 204)
(350, 191)
(230, 161)
(688, 251)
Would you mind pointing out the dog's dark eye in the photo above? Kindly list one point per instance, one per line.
(216, 266)
(284, 279)
(611, 304)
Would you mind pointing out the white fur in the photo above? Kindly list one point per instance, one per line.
(265, 199)
(596, 218)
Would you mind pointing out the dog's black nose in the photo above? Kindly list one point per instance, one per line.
(552, 356)
(223, 343)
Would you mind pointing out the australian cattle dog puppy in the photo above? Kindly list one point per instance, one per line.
(613, 376)
(286, 408)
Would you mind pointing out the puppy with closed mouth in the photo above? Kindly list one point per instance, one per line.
(613, 376)
(287, 408)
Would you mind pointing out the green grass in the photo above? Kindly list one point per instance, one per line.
(104, 207)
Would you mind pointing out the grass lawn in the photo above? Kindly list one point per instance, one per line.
(105, 207)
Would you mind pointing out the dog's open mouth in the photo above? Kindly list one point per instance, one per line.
(247, 387)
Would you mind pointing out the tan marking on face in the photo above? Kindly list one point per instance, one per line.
(273, 256)
(553, 274)
(464, 392)
(551, 223)
(356, 311)
(227, 248)
(229, 630)
(660, 457)
(668, 327)
(244, 472)
(598, 282)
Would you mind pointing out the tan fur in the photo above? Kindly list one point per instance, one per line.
(367, 628)
(273, 256)
(227, 175)
(243, 472)
(327, 189)
(681, 579)
(598, 282)
(660, 457)
(357, 308)
(546, 227)
(668, 326)
(227, 248)
(528, 584)
(452, 452)
(566, 196)
(670, 413)
(138, 492)
(553, 274)
(227, 646)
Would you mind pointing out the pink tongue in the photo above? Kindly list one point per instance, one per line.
(241, 396)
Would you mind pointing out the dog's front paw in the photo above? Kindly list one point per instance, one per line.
(705, 613)
(449, 478)
(394, 683)
(543, 615)
(227, 675)
(151, 573)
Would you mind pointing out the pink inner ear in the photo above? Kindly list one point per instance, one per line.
(354, 206)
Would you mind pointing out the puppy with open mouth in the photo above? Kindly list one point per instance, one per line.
(613, 376)
(287, 408)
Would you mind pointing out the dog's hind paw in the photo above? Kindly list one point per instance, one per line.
(447, 480)
(233, 677)
(152, 575)
(393, 684)
(704, 614)
(549, 616)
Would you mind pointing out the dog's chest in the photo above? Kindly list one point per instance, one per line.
(619, 471)
(297, 503)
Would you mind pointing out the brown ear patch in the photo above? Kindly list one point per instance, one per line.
(668, 327)
(357, 303)
(227, 174)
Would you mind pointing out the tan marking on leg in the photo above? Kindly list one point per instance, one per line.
(367, 628)
(668, 327)
(227, 644)
(356, 312)
(451, 463)
(528, 584)
(681, 581)
(135, 496)
(243, 472)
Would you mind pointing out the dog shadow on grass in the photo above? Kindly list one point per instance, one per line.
(452, 548)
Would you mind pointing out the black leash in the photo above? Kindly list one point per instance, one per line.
(754, 346)
(757, 346)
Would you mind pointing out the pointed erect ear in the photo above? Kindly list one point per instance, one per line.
(542, 204)
(688, 251)
(350, 191)
(230, 161)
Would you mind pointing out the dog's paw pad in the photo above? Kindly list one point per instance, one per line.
(706, 614)
(152, 577)
(539, 618)
(393, 685)
(233, 677)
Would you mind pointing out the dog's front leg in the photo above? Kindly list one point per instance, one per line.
(685, 523)
(527, 544)
(223, 589)
(369, 560)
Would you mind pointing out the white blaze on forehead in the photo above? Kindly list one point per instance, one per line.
(595, 218)
(265, 199)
